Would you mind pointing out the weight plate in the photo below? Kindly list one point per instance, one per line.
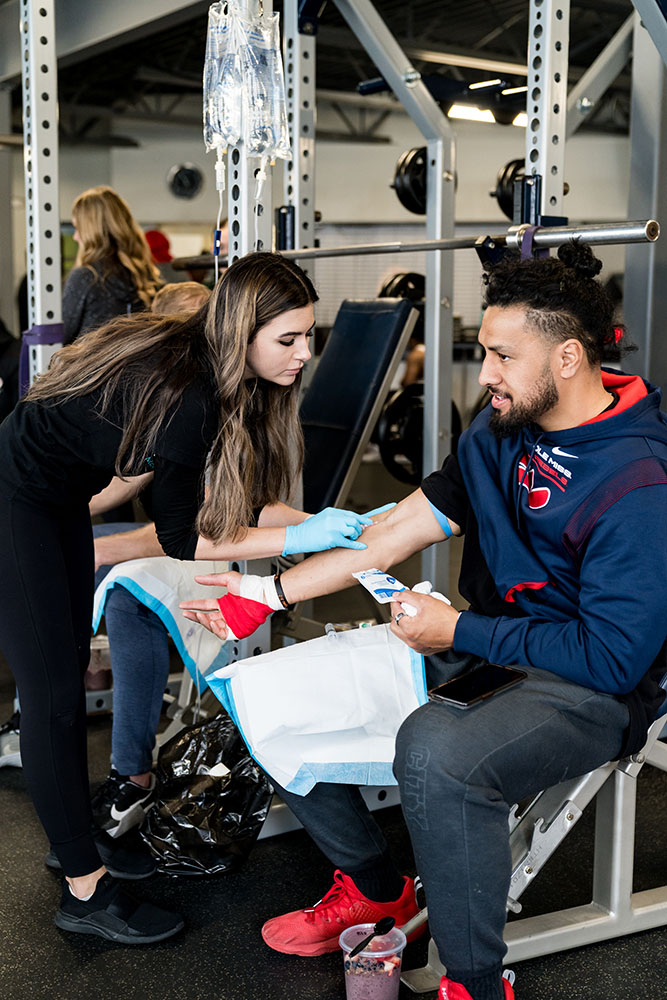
(400, 433)
(410, 180)
(504, 192)
(404, 285)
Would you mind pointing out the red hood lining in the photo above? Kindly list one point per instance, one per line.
(629, 389)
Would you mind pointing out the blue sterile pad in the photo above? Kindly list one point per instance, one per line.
(161, 583)
(325, 710)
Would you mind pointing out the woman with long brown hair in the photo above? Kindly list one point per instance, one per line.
(160, 393)
(114, 273)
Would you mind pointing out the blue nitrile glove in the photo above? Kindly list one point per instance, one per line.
(330, 529)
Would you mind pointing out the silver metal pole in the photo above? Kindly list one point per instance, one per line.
(554, 236)
(645, 288)
(40, 152)
(406, 83)
(7, 282)
(604, 234)
(546, 100)
(250, 224)
(299, 57)
(599, 76)
(438, 336)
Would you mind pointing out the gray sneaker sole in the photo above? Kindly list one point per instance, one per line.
(85, 925)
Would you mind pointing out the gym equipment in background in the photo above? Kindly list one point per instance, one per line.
(410, 180)
(509, 176)
(400, 433)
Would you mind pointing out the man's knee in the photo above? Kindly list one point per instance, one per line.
(431, 729)
(435, 741)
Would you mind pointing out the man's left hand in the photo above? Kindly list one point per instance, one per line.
(432, 628)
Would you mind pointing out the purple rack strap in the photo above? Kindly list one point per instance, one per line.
(527, 249)
(37, 336)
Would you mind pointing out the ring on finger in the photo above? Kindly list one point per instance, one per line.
(401, 614)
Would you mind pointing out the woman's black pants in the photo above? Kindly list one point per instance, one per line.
(46, 598)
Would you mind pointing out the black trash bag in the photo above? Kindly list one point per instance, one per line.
(203, 823)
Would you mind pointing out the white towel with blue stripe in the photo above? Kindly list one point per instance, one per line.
(160, 583)
(325, 710)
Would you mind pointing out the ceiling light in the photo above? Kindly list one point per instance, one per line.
(470, 113)
(514, 90)
(485, 83)
(521, 119)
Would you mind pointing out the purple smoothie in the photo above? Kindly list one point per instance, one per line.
(375, 973)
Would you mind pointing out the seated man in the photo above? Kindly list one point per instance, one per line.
(560, 488)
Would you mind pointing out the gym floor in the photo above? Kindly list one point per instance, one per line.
(221, 956)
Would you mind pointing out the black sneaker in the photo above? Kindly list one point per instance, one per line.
(113, 914)
(120, 861)
(10, 746)
(119, 804)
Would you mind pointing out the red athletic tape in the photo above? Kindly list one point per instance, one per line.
(243, 615)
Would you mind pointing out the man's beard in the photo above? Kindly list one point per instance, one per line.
(543, 397)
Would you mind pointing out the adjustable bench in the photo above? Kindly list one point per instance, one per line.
(536, 830)
(347, 393)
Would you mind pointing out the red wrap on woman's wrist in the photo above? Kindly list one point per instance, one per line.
(243, 615)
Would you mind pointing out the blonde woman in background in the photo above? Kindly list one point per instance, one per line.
(114, 273)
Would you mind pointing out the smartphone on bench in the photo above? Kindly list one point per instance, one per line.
(476, 685)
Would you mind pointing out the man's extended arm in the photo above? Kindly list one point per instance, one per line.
(408, 528)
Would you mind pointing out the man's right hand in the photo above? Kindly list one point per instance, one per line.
(243, 604)
(231, 581)
(206, 610)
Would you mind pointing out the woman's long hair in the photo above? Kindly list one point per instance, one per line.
(146, 362)
(110, 237)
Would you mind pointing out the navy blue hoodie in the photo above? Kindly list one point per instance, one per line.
(573, 528)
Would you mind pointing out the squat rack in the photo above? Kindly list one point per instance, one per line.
(551, 117)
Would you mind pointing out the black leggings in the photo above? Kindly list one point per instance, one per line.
(46, 599)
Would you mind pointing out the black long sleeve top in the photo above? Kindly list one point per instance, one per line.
(56, 457)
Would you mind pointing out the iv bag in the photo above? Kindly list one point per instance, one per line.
(244, 87)
(223, 80)
(265, 131)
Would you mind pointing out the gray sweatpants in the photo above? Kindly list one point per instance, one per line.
(459, 773)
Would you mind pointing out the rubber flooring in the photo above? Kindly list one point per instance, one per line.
(221, 956)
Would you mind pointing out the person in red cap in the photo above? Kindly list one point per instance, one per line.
(161, 250)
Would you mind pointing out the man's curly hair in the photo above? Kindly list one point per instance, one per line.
(563, 299)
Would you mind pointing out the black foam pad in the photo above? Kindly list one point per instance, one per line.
(339, 400)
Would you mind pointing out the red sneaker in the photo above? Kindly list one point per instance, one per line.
(450, 990)
(316, 930)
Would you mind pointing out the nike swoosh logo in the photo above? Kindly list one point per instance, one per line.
(563, 454)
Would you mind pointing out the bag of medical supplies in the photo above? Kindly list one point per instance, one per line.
(325, 710)
(212, 800)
